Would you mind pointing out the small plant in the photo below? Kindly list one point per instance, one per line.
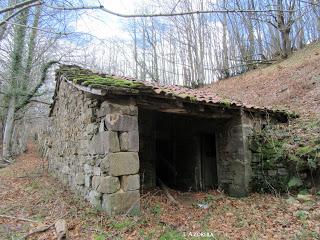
(302, 215)
(117, 225)
(100, 236)
(156, 210)
(34, 185)
(206, 201)
(294, 182)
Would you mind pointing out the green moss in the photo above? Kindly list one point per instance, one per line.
(98, 81)
(88, 78)
(294, 147)
(301, 151)
(188, 97)
(193, 99)
(226, 103)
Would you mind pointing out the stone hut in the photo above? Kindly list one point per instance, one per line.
(111, 137)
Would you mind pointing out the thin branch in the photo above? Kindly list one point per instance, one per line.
(39, 101)
(101, 7)
(39, 29)
(311, 3)
(41, 229)
(39, 85)
(18, 5)
(17, 12)
(18, 218)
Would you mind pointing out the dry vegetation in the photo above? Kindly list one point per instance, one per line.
(293, 83)
(28, 192)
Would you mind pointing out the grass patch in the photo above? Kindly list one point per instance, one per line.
(172, 235)
(120, 225)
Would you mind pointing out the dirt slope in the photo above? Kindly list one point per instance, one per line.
(293, 84)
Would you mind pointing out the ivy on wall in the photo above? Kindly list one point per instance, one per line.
(286, 157)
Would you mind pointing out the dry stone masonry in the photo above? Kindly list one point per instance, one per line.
(94, 149)
(106, 143)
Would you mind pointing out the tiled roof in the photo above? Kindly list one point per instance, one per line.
(83, 79)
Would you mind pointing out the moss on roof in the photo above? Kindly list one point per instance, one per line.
(97, 80)
(88, 78)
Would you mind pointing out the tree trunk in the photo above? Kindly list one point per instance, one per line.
(8, 128)
(4, 27)
(285, 43)
(225, 61)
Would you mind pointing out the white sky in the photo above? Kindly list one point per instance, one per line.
(103, 25)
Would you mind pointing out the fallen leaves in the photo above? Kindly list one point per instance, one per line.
(42, 199)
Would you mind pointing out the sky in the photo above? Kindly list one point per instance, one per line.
(103, 25)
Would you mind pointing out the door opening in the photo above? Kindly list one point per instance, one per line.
(209, 178)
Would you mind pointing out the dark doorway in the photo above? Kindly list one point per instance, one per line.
(208, 162)
(165, 164)
(178, 149)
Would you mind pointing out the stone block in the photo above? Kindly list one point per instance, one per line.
(111, 108)
(108, 184)
(123, 163)
(95, 182)
(272, 173)
(130, 182)
(282, 172)
(96, 146)
(105, 165)
(87, 169)
(104, 142)
(96, 171)
(94, 198)
(122, 123)
(124, 141)
(133, 141)
(121, 202)
(110, 141)
(79, 179)
(87, 180)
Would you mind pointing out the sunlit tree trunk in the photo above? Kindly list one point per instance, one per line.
(16, 77)
(8, 128)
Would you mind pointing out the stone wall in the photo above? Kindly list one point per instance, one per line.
(236, 165)
(92, 146)
(278, 173)
(274, 177)
(232, 158)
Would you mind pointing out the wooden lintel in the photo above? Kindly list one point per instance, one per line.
(172, 107)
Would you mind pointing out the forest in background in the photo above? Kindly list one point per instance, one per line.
(197, 49)
(183, 42)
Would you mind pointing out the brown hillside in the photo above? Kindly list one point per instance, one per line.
(292, 84)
